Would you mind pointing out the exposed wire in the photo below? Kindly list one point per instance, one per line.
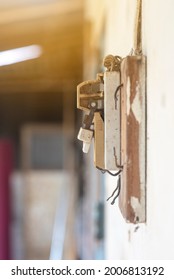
(109, 172)
(116, 163)
(112, 63)
(118, 189)
(115, 95)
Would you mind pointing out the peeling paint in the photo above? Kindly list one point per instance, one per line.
(133, 129)
(142, 142)
(136, 105)
(128, 96)
(137, 207)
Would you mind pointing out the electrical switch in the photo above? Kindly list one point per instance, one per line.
(100, 100)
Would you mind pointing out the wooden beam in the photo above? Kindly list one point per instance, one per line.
(133, 139)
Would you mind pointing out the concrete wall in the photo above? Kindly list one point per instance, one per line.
(155, 239)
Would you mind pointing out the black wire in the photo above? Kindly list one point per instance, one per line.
(112, 193)
(109, 172)
(118, 188)
(115, 95)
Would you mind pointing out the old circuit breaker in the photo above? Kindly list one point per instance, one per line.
(115, 117)
(100, 100)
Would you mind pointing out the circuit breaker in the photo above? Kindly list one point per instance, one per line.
(100, 100)
(115, 116)
(114, 108)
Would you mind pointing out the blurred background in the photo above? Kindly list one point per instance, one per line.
(41, 64)
(41, 164)
(52, 199)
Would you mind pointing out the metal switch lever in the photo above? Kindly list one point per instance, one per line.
(86, 133)
(100, 100)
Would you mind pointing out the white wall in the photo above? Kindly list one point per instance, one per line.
(155, 239)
